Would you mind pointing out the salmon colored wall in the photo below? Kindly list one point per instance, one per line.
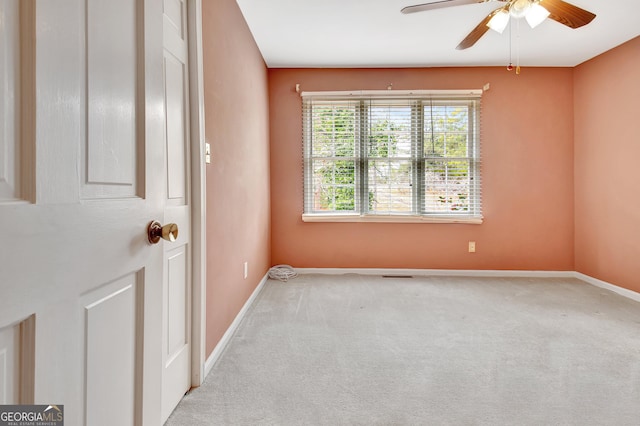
(607, 174)
(527, 150)
(237, 126)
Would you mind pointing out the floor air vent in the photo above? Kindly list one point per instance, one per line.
(397, 276)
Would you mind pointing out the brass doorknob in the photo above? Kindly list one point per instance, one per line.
(168, 232)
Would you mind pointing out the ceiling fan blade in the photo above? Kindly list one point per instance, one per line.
(478, 31)
(567, 14)
(438, 5)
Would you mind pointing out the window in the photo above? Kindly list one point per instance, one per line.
(390, 156)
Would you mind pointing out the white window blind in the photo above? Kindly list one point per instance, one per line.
(392, 155)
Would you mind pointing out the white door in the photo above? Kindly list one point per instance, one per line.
(176, 331)
(89, 314)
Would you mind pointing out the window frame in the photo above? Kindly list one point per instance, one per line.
(362, 103)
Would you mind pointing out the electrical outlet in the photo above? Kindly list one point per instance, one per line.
(246, 270)
(472, 246)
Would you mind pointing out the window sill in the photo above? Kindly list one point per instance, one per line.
(352, 218)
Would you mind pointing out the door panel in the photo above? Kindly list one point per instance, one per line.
(112, 47)
(176, 376)
(75, 259)
(176, 131)
(176, 331)
(106, 137)
(174, 11)
(176, 300)
(9, 100)
(110, 326)
(9, 364)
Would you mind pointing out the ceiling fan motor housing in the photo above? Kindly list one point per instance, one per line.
(519, 8)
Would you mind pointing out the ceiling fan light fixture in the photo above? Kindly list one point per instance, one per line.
(499, 21)
(536, 14)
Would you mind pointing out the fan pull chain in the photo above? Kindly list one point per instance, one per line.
(510, 66)
(518, 48)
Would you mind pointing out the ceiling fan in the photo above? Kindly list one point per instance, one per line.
(534, 11)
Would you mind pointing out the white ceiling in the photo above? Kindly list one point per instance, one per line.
(373, 33)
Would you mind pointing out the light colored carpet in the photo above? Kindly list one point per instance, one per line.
(367, 350)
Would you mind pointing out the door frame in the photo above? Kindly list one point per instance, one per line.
(198, 194)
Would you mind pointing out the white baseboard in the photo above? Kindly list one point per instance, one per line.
(608, 286)
(439, 272)
(476, 273)
(224, 341)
